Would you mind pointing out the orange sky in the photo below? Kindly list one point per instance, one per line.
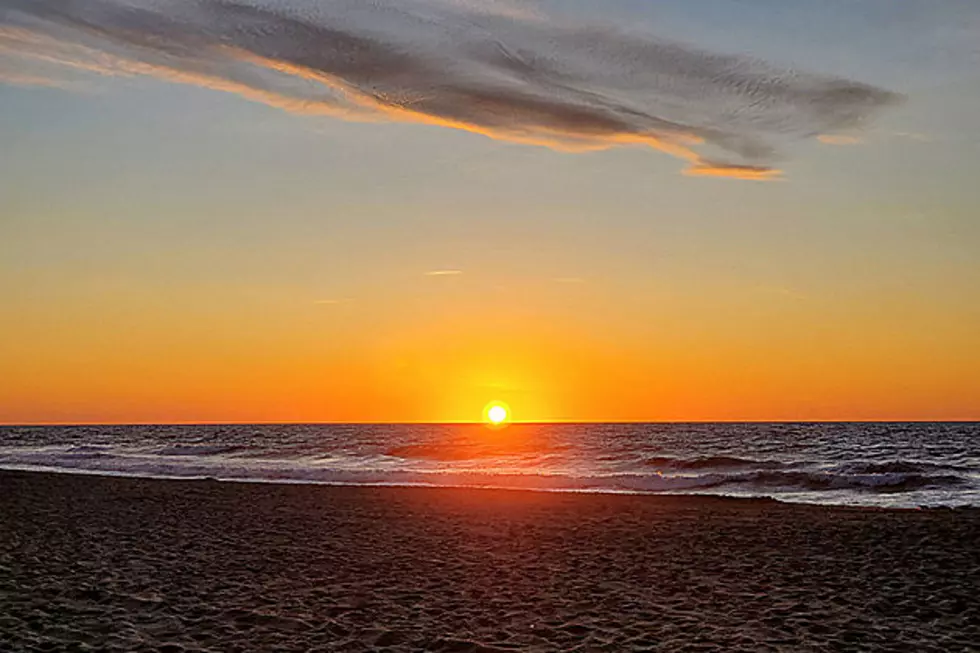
(134, 360)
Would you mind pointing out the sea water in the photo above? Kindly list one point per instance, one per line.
(900, 465)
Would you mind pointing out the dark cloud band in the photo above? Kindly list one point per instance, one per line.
(507, 74)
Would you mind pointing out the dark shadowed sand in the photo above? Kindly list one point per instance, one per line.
(115, 564)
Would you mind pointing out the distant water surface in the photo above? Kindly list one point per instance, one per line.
(880, 464)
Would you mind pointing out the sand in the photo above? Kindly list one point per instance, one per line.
(113, 564)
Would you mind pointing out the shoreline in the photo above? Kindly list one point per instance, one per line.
(129, 564)
(476, 488)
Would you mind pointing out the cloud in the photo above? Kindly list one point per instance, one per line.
(495, 68)
(443, 273)
(838, 139)
(706, 168)
(18, 79)
(914, 136)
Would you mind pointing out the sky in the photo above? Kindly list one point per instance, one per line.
(386, 211)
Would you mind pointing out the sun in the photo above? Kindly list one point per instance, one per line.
(496, 413)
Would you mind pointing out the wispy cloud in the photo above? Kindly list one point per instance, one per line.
(492, 68)
(330, 302)
(19, 79)
(838, 139)
(706, 168)
(914, 136)
(443, 273)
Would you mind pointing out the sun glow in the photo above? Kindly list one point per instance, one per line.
(496, 413)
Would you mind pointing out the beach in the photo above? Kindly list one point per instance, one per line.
(121, 564)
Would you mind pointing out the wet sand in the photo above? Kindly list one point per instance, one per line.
(113, 564)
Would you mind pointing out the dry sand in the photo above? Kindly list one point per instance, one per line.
(114, 564)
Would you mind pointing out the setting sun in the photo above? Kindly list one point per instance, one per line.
(496, 413)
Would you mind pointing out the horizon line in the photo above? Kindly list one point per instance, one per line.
(482, 423)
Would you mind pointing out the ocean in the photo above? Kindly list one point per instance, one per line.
(900, 465)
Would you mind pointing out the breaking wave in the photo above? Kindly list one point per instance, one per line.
(894, 465)
(713, 462)
(198, 450)
(716, 474)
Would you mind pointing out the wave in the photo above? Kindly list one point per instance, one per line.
(198, 450)
(90, 448)
(459, 451)
(714, 462)
(899, 467)
(706, 474)
(809, 473)
(436, 452)
(815, 481)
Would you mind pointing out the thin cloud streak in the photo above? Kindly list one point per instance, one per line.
(443, 273)
(746, 172)
(14, 78)
(914, 136)
(494, 69)
(838, 139)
